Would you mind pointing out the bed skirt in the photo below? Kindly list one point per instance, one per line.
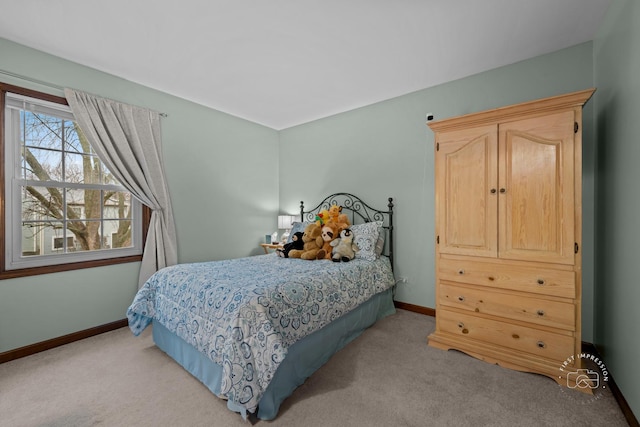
(302, 360)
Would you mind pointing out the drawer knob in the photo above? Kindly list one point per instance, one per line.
(503, 190)
(515, 336)
(540, 312)
(493, 191)
(541, 344)
(465, 331)
(491, 278)
(461, 298)
(460, 325)
(461, 271)
(540, 282)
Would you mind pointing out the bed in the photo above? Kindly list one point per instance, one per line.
(253, 329)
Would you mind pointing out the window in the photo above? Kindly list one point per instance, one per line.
(62, 205)
(59, 243)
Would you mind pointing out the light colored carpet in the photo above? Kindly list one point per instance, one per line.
(387, 377)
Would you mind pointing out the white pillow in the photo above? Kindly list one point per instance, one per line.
(365, 237)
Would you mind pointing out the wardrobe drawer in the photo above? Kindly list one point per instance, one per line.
(482, 300)
(559, 283)
(530, 340)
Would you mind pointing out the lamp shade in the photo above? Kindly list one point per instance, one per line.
(285, 221)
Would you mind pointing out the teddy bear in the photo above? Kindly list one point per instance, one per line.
(312, 243)
(344, 248)
(330, 232)
(296, 243)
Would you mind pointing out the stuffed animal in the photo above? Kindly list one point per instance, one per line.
(312, 243)
(296, 243)
(339, 218)
(330, 232)
(322, 217)
(344, 249)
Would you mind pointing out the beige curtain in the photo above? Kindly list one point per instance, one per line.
(128, 141)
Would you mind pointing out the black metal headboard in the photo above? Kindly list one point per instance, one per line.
(358, 212)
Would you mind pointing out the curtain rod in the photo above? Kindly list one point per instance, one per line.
(42, 83)
(32, 80)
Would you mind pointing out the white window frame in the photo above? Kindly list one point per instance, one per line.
(14, 259)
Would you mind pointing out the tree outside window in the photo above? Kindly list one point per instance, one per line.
(76, 195)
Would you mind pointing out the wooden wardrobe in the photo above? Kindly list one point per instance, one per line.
(508, 234)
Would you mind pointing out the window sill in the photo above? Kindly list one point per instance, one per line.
(34, 271)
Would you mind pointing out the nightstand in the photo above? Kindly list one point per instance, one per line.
(267, 246)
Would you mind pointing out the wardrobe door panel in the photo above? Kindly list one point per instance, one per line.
(466, 173)
(536, 200)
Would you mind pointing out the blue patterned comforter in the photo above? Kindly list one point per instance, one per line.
(245, 313)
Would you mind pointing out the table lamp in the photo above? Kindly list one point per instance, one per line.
(285, 222)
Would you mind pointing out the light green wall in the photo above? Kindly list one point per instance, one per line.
(617, 67)
(386, 150)
(222, 173)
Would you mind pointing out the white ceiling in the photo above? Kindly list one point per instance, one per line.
(286, 62)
